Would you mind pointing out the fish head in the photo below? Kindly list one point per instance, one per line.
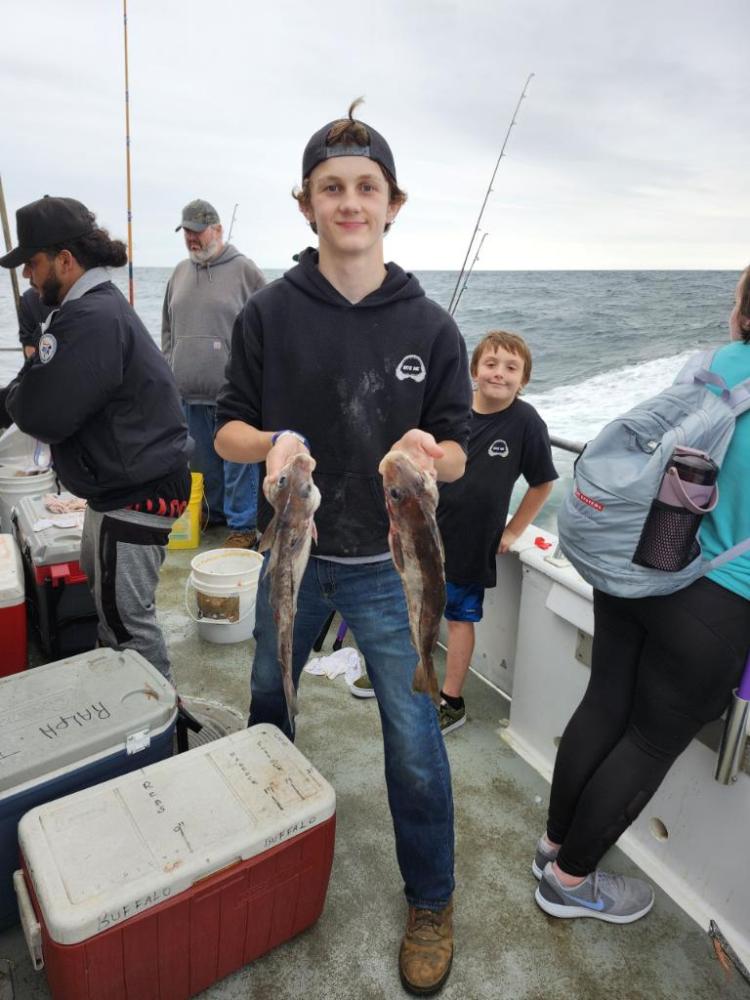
(406, 486)
(294, 489)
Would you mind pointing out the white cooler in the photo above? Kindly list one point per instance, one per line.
(156, 884)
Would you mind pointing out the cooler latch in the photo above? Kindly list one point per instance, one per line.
(136, 742)
(32, 930)
(59, 573)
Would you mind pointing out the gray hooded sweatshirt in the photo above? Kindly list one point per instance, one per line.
(200, 307)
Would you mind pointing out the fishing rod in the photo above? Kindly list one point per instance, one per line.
(454, 301)
(8, 247)
(468, 273)
(131, 287)
(231, 224)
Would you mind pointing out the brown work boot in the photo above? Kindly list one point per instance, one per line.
(241, 539)
(426, 950)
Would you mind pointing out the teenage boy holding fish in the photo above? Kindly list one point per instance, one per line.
(345, 358)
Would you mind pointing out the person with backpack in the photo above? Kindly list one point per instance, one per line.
(663, 663)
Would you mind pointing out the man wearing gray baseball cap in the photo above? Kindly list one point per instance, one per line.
(203, 297)
(197, 216)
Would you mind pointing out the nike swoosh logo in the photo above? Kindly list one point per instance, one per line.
(596, 905)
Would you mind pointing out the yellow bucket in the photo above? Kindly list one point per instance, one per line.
(186, 531)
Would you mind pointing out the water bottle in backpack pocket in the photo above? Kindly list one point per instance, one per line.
(669, 540)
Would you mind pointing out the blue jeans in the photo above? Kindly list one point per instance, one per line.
(371, 600)
(230, 488)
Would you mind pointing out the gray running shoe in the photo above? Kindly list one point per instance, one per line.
(615, 898)
(451, 718)
(544, 853)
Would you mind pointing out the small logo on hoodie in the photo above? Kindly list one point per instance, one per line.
(411, 367)
(499, 449)
(47, 347)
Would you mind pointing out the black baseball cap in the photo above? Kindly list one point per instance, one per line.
(318, 150)
(46, 223)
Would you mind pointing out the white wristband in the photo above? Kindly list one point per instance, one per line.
(300, 437)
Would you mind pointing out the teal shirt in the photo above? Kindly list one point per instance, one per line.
(730, 521)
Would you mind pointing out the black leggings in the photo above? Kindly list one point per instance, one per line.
(661, 668)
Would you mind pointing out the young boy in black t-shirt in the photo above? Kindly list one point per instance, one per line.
(507, 439)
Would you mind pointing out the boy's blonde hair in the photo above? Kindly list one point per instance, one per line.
(508, 342)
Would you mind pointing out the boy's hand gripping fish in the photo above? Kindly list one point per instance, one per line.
(411, 497)
(294, 498)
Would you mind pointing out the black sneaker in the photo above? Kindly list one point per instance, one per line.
(451, 718)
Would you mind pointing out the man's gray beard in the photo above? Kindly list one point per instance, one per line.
(202, 256)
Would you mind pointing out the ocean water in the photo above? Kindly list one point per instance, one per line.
(601, 340)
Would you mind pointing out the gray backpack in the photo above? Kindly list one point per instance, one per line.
(618, 477)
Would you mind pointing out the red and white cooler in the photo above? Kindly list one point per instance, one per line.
(157, 884)
(13, 633)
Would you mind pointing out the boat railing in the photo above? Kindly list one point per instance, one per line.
(576, 447)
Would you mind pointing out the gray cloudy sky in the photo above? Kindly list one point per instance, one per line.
(632, 149)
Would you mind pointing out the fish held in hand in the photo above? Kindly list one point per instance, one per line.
(411, 496)
(294, 498)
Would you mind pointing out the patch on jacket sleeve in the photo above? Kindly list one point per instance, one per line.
(47, 347)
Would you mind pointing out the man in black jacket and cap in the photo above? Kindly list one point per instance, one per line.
(99, 392)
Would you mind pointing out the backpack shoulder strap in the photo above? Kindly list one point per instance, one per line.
(701, 361)
(724, 557)
(739, 397)
(698, 369)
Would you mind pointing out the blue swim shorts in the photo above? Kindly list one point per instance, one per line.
(463, 604)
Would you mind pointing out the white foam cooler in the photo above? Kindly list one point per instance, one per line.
(71, 724)
(155, 885)
(13, 632)
(64, 608)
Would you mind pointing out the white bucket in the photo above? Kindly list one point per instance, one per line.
(224, 586)
(24, 451)
(14, 486)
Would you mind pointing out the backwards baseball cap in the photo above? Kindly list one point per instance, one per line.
(47, 223)
(376, 148)
(197, 216)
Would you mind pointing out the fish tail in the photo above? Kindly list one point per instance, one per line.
(291, 697)
(425, 681)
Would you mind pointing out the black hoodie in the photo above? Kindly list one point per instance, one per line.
(105, 400)
(353, 378)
